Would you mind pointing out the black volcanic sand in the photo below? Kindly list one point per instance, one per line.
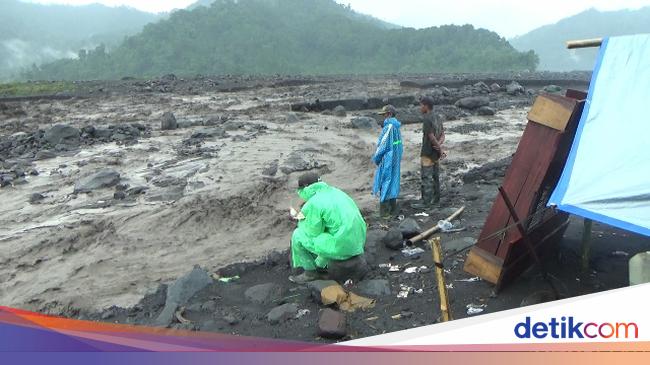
(234, 314)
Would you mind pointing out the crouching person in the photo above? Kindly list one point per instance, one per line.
(330, 227)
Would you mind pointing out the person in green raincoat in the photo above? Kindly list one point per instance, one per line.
(330, 227)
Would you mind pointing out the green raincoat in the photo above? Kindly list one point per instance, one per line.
(333, 228)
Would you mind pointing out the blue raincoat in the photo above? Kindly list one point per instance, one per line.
(388, 158)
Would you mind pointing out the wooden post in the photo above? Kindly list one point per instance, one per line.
(586, 244)
(585, 43)
(435, 228)
(436, 249)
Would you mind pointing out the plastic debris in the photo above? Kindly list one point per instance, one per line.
(346, 301)
(470, 280)
(229, 279)
(448, 227)
(421, 214)
(418, 291)
(390, 267)
(372, 318)
(447, 271)
(402, 315)
(296, 214)
(413, 270)
(619, 254)
(404, 291)
(348, 284)
(450, 286)
(473, 309)
(301, 313)
(410, 252)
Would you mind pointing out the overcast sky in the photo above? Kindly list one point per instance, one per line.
(506, 17)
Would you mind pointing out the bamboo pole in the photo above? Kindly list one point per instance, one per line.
(436, 249)
(434, 229)
(584, 43)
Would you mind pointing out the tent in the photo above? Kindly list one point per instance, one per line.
(607, 174)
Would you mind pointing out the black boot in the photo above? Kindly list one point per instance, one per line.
(427, 188)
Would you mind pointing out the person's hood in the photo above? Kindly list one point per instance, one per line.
(393, 121)
(308, 192)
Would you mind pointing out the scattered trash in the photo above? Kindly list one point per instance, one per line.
(447, 271)
(400, 218)
(473, 309)
(406, 290)
(348, 283)
(215, 276)
(301, 313)
(450, 286)
(296, 215)
(229, 279)
(413, 270)
(390, 267)
(470, 280)
(448, 227)
(410, 252)
(402, 315)
(372, 318)
(346, 301)
(421, 214)
(619, 254)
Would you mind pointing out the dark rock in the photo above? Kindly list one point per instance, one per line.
(264, 293)
(316, 287)
(33, 172)
(340, 111)
(119, 195)
(489, 171)
(495, 87)
(209, 133)
(209, 306)
(231, 319)
(514, 88)
(374, 288)
(168, 121)
(36, 197)
(394, 239)
(363, 123)
(19, 181)
(136, 190)
(102, 179)
(271, 169)
(482, 87)
(44, 155)
(409, 228)
(62, 134)
(89, 130)
(331, 324)
(180, 292)
(355, 268)
(292, 118)
(109, 313)
(486, 110)
(103, 133)
(295, 162)
(371, 249)
(473, 102)
(282, 313)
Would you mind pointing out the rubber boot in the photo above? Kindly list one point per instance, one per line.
(384, 210)
(427, 188)
(435, 177)
(394, 209)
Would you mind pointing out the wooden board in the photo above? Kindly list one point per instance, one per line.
(552, 111)
(533, 173)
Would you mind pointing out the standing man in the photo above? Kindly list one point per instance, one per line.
(433, 136)
(330, 227)
(388, 158)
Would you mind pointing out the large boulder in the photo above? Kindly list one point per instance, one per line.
(180, 292)
(282, 313)
(363, 123)
(103, 179)
(340, 111)
(264, 293)
(486, 111)
(473, 102)
(409, 228)
(374, 288)
(355, 268)
(168, 121)
(514, 88)
(331, 324)
(62, 134)
(393, 239)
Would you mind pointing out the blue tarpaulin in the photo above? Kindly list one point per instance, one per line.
(607, 174)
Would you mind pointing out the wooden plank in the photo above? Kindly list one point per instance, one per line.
(483, 264)
(552, 111)
(584, 43)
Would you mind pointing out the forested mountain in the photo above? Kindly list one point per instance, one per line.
(34, 33)
(289, 37)
(549, 41)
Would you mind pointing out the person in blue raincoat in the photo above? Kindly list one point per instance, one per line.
(388, 158)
